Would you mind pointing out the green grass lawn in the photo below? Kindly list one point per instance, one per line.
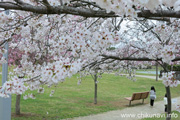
(72, 100)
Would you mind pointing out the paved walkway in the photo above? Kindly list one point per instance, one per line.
(144, 76)
(136, 112)
(151, 77)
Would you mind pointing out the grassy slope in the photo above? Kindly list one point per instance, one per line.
(71, 100)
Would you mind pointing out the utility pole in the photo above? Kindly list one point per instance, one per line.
(5, 103)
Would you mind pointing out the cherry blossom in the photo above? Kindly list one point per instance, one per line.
(169, 80)
(14, 86)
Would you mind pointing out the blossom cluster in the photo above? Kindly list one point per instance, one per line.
(29, 96)
(125, 7)
(59, 70)
(169, 79)
(52, 53)
(14, 86)
(168, 54)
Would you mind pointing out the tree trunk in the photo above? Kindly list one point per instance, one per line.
(168, 117)
(18, 98)
(168, 92)
(156, 71)
(95, 89)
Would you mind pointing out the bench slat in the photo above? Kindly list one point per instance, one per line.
(136, 96)
(128, 98)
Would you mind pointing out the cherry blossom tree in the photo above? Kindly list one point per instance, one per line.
(156, 42)
(58, 38)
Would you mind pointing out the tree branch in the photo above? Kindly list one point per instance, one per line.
(85, 12)
(129, 58)
(136, 59)
(159, 14)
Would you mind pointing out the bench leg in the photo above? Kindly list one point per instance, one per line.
(129, 103)
(143, 101)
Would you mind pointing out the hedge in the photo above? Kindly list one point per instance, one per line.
(175, 67)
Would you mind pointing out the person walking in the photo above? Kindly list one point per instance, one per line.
(165, 103)
(152, 95)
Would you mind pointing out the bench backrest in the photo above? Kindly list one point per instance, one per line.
(140, 95)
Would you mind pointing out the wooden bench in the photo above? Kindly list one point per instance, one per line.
(138, 96)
